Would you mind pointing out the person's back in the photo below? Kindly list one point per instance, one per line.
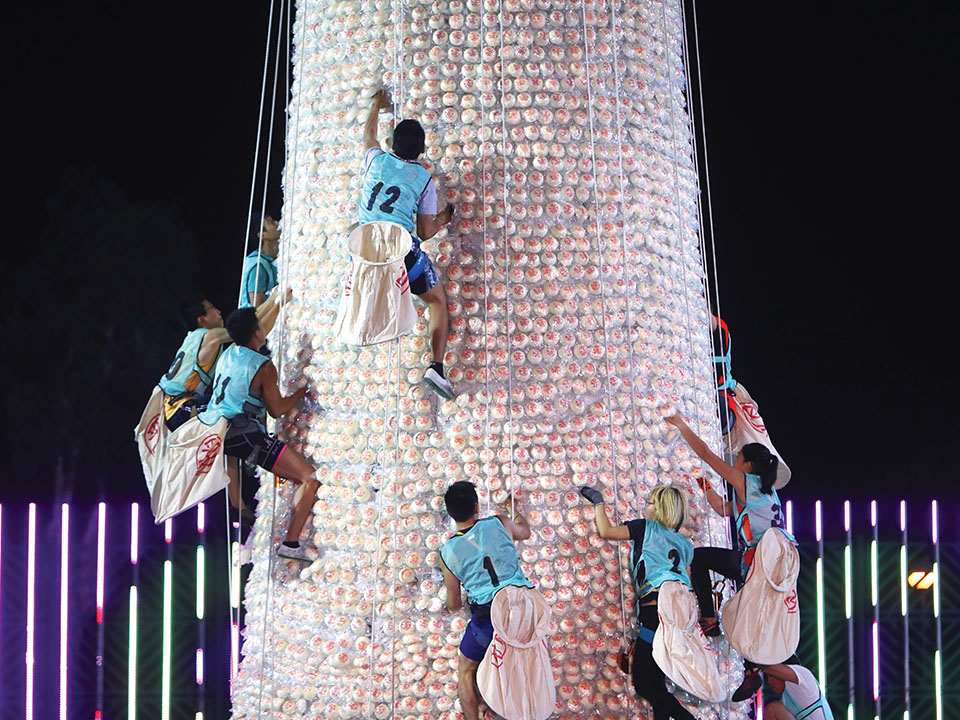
(187, 381)
(394, 190)
(185, 373)
(232, 394)
(664, 553)
(399, 190)
(803, 698)
(484, 559)
(793, 693)
(760, 511)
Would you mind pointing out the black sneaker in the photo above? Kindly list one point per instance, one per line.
(592, 494)
(748, 688)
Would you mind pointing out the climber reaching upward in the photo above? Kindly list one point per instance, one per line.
(397, 189)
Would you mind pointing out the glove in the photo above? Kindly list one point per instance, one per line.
(592, 494)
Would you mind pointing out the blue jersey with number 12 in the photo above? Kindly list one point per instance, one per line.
(391, 191)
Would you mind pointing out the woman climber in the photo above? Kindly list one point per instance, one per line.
(757, 508)
(660, 553)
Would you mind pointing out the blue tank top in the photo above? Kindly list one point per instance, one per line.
(759, 513)
(665, 554)
(259, 275)
(231, 387)
(185, 363)
(484, 559)
(802, 712)
(391, 191)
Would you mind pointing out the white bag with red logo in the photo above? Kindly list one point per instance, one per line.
(515, 678)
(762, 621)
(376, 304)
(193, 470)
(749, 428)
(151, 435)
(680, 648)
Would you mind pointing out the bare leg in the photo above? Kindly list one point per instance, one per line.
(233, 488)
(293, 466)
(777, 711)
(467, 688)
(436, 300)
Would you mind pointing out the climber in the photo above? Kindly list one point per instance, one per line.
(244, 390)
(399, 190)
(660, 553)
(792, 693)
(481, 556)
(187, 382)
(758, 508)
(260, 266)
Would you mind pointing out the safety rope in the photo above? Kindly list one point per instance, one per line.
(508, 304)
(603, 312)
(394, 555)
(486, 285)
(233, 563)
(281, 289)
(678, 210)
(714, 288)
(676, 238)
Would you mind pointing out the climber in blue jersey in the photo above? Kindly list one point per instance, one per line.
(260, 266)
(793, 693)
(660, 553)
(244, 391)
(756, 507)
(482, 558)
(397, 189)
(186, 383)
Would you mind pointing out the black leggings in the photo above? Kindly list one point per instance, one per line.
(648, 678)
(720, 560)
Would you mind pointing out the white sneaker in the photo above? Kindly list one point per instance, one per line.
(297, 553)
(439, 383)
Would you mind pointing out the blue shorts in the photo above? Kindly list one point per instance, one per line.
(423, 276)
(478, 634)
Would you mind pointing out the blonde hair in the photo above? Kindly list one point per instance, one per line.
(669, 506)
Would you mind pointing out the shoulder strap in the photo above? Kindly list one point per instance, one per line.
(808, 710)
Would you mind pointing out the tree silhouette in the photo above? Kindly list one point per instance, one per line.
(89, 331)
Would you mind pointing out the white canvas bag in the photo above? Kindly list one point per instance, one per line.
(749, 428)
(762, 621)
(679, 647)
(515, 678)
(151, 435)
(193, 469)
(376, 304)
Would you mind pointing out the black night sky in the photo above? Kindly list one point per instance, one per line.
(131, 133)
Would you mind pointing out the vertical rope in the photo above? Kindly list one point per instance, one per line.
(256, 152)
(678, 209)
(506, 249)
(603, 310)
(395, 485)
(267, 610)
(615, 24)
(703, 250)
(486, 289)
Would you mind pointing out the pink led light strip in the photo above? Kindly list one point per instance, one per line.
(64, 603)
(31, 605)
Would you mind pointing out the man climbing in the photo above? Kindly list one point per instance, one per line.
(187, 382)
(481, 556)
(260, 266)
(397, 189)
(244, 390)
(796, 694)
